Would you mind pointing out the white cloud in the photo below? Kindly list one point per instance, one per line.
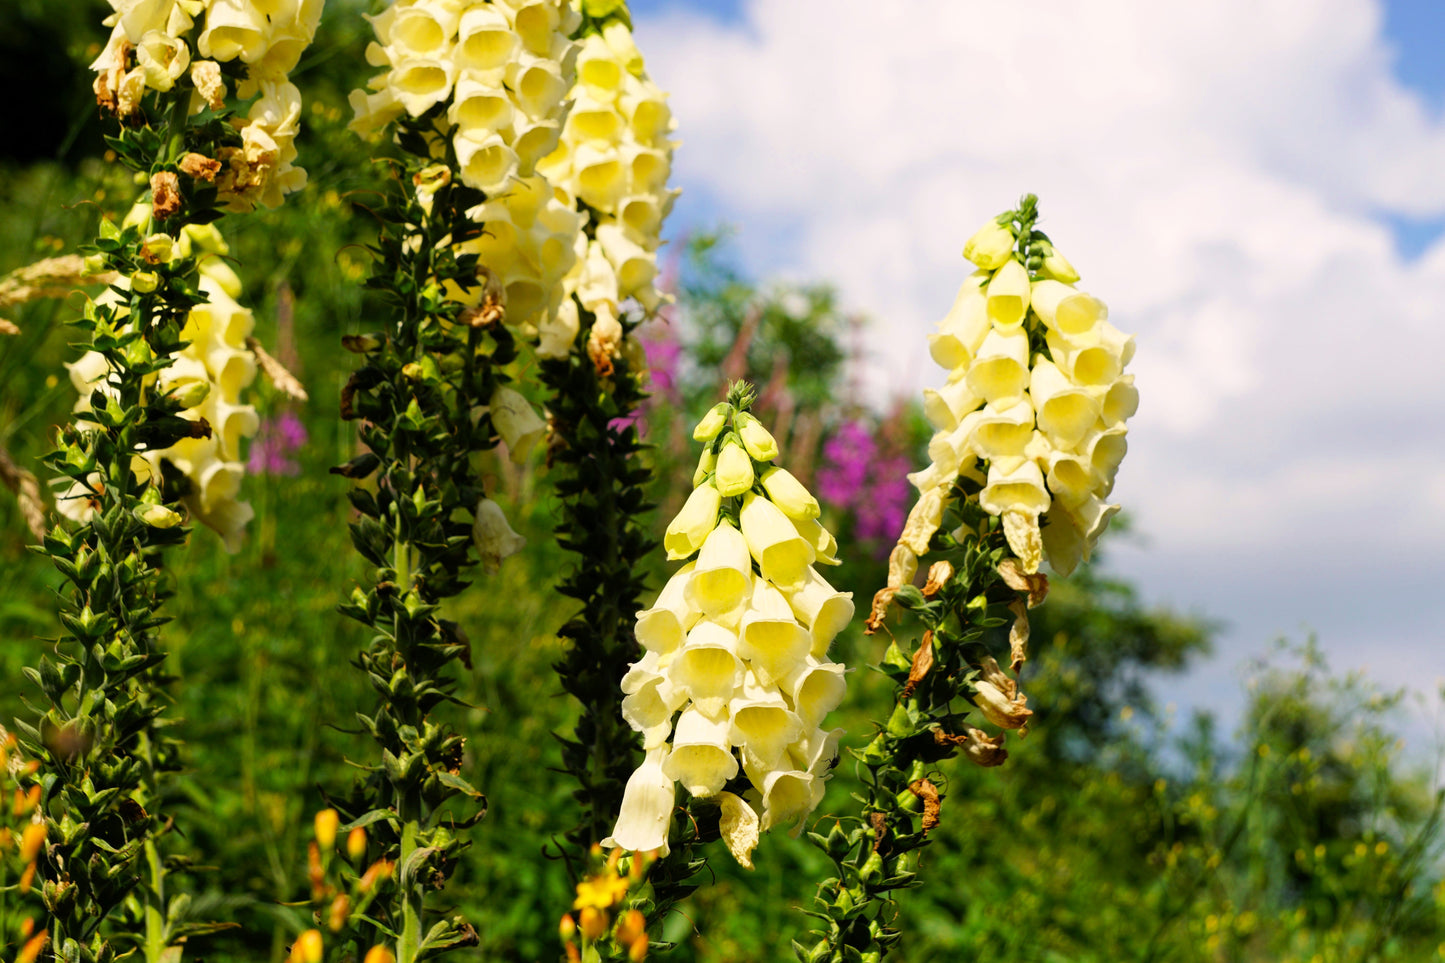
(1216, 171)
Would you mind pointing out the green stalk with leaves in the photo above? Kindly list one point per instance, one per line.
(419, 398)
(100, 742)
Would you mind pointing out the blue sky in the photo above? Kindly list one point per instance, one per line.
(1257, 188)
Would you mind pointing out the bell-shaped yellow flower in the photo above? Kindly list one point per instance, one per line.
(647, 804)
(707, 668)
(1000, 370)
(723, 573)
(687, 532)
(782, 554)
(516, 421)
(1008, 296)
(663, 628)
(701, 757)
(822, 608)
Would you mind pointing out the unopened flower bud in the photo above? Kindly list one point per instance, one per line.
(1056, 266)
(190, 393)
(734, 470)
(694, 523)
(340, 910)
(706, 465)
(630, 926)
(637, 950)
(356, 844)
(308, 948)
(712, 422)
(789, 494)
(380, 870)
(567, 927)
(157, 516)
(379, 954)
(758, 441)
(990, 246)
(144, 282)
(593, 922)
(30, 842)
(326, 823)
(93, 264)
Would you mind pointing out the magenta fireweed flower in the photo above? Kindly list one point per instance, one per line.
(279, 438)
(880, 513)
(854, 478)
(846, 456)
(664, 352)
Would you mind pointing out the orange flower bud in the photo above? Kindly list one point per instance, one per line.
(594, 922)
(307, 948)
(32, 947)
(315, 873)
(356, 844)
(31, 841)
(379, 954)
(631, 925)
(26, 878)
(379, 870)
(637, 952)
(567, 928)
(326, 823)
(340, 910)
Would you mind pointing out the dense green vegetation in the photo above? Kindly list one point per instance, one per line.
(1111, 834)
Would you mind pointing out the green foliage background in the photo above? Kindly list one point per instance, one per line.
(1302, 836)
